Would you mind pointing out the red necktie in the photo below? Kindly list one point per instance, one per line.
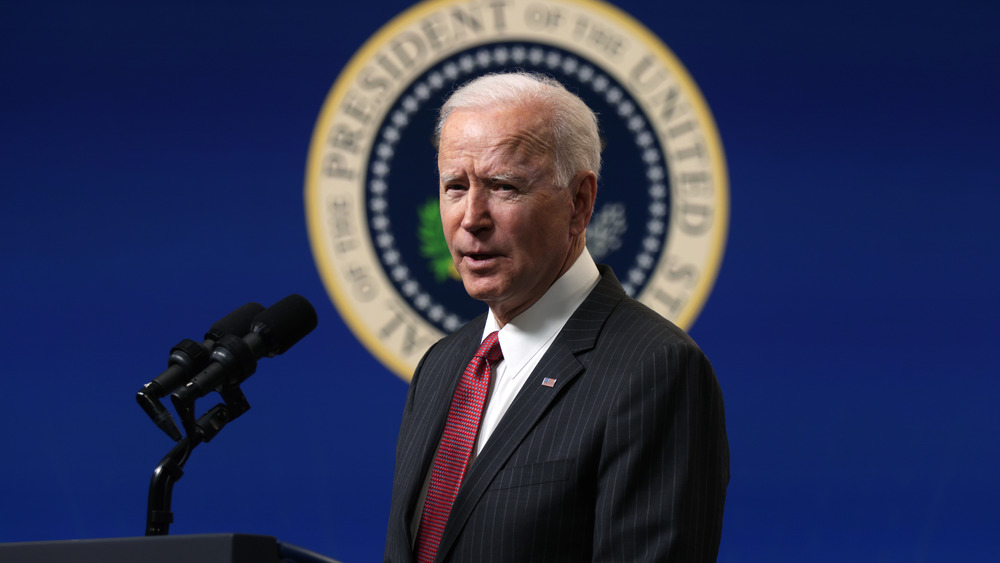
(456, 446)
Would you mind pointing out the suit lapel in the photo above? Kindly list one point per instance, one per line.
(560, 363)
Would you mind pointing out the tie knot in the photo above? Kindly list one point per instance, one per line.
(490, 348)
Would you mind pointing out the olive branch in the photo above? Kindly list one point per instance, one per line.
(432, 244)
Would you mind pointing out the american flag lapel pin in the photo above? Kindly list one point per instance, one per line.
(548, 382)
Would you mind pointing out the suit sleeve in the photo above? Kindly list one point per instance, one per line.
(665, 462)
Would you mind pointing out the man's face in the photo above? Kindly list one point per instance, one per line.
(510, 229)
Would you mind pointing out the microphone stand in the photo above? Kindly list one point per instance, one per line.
(171, 467)
(161, 487)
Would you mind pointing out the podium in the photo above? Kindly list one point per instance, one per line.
(202, 548)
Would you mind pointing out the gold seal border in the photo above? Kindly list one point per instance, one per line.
(315, 209)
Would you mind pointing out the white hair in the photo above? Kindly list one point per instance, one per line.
(575, 136)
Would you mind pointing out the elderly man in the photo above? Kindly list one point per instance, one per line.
(568, 422)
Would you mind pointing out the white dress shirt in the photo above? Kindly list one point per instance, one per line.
(526, 338)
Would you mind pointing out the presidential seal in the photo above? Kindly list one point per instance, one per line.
(371, 191)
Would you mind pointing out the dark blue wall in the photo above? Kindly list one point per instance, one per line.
(152, 170)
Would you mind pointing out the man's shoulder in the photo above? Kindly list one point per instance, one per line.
(636, 318)
(627, 315)
(636, 341)
(617, 330)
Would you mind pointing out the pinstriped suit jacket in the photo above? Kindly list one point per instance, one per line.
(625, 458)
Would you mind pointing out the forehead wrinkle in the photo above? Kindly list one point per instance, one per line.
(522, 155)
(528, 142)
(518, 157)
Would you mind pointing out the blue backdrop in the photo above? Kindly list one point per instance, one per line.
(152, 170)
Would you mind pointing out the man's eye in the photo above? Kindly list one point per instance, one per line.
(506, 187)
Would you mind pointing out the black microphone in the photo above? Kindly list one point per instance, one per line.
(234, 359)
(188, 358)
(237, 322)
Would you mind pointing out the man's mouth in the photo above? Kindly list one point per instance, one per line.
(475, 258)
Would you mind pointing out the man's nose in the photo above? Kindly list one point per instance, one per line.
(477, 210)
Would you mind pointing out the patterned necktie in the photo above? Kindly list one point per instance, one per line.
(456, 446)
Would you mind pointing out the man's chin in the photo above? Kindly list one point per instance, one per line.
(481, 288)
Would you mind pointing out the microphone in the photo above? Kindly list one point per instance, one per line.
(188, 358)
(237, 322)
(234, 359)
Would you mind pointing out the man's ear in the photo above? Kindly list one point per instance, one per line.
(584, 190)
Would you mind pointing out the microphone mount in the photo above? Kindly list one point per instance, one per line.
(231, 361)
(235, 356)
(188, 358)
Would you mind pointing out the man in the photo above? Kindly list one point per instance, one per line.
(603, 435)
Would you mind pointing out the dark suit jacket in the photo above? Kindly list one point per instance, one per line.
(625, 458)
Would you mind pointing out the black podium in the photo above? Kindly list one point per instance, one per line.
(206, 548)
